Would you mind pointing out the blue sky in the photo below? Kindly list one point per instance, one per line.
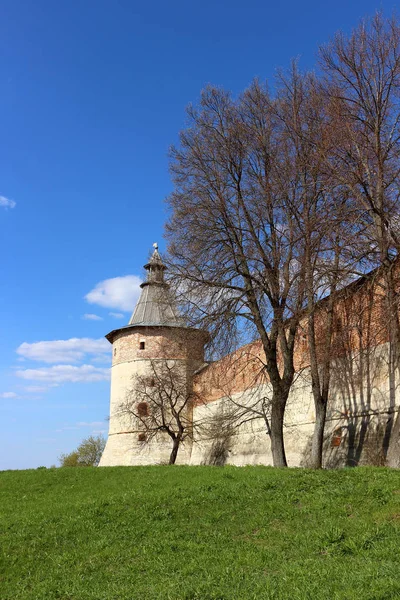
(92, 95)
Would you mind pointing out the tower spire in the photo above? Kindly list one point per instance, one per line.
(156, 305)
(155, 269)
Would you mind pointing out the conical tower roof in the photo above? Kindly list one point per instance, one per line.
(156, 306)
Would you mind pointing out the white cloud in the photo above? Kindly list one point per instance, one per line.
(7, 203)
(65, 374)
(91, 317)
(8, 395)
(64, 351)
(119, 292)
(117, 315)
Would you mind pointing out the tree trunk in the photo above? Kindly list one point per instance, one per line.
(391, 442)
(174, 451)
(318, 435)
(277, 442)
(393, 454)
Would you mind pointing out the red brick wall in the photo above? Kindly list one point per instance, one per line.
(160, 342)
(361, 321)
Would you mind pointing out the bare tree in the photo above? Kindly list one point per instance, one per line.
(327, 226)
(259, 222)
(233, 238)
(280, 200)
(160, 404)
(362, 85)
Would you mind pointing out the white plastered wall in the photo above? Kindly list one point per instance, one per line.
(123, 446)
(250, 443)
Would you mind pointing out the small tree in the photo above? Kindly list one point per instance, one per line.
(160, 402)
(87, 454)
(69, 460)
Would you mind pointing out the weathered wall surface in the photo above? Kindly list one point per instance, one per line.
(123, 449)
(123, 446)
(249, 443)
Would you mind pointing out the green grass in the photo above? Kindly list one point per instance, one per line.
(199, 533)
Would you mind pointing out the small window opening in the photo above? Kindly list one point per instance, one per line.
(142, 437)
(115, 352)
(142, 345)
(336, 437)
(143, 409)
(338, 324)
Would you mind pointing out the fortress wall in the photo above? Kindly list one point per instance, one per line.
(363, 395)
(359, 411)
(249, 443)
(360, 325)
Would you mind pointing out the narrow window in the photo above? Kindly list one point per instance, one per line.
(115, 352)
(336, 438)
(338, 324)
(304, 342)
(141, 345)
(143, 409)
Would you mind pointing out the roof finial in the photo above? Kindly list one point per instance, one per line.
(155, 245)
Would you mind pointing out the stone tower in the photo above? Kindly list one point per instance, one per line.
(155, 332)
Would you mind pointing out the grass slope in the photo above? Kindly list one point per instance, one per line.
(199, 533)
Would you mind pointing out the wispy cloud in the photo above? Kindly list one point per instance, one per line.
(8, 395)
(101, 359)
(91, 317)
(116, 315)
(65, 374)
(7, 203)
(38, 389)
(82, 425)
(64, 351)
(119, 292)
(90, 423)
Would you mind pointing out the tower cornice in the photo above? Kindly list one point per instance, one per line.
(145, 326)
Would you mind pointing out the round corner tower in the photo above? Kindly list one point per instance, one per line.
(155, 332)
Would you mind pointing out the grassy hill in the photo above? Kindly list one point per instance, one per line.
(199, 533)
